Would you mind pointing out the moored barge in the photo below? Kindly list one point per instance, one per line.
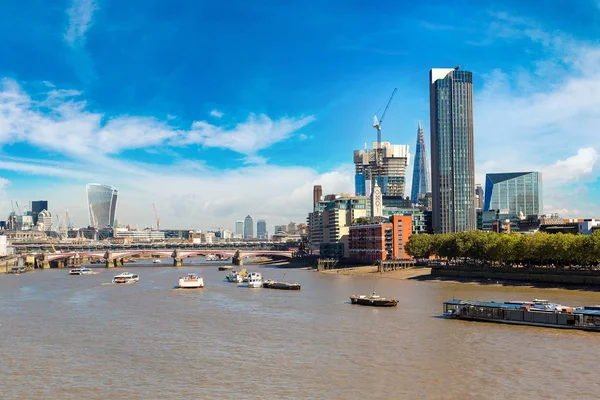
(534, 313)
(373, 300)
(271, 284)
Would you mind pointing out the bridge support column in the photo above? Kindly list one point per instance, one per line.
(237, 261)
(110, 263)
(44, 263)
(177, 262)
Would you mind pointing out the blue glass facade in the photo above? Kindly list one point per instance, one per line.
(517, 192)
(360, 185)
(420, 182)
(452, 150)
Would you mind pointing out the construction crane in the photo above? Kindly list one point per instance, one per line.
(157, 219)
(377, 125)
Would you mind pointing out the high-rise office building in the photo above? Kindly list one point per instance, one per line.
(37, 207)
(102, 204)
(478, 197)
(516, 192)
(391, 175)
(248, 227)
(421, 177)
(261, 229)
(239, 227)
(452, 150)
(317, 194)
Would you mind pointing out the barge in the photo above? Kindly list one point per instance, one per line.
(373, 300)
(533, 313)
(271, 284)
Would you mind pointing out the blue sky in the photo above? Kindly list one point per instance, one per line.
(215, 110)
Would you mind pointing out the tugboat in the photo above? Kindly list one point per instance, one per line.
(373, 300)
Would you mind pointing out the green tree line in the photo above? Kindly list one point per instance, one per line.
(490, 247)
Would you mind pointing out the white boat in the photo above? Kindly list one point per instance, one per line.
(234, 276)
(126, 277)
(255, 280)
(81, 271)
(156, 261)
(191, 281)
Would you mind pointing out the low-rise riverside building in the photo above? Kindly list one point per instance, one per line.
(380, 241)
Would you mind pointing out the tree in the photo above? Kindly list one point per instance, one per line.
(420, 246)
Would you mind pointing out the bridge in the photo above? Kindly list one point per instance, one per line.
(115, 258)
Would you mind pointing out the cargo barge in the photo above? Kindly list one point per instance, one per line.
(534, 313)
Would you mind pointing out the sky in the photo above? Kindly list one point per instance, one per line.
(216, 110)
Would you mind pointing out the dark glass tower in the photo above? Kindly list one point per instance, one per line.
(452, 150)
(421, 178)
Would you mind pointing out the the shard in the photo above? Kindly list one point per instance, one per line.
(421, 180)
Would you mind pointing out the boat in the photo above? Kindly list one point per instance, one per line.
(126, 277)
(534, 313)
(17, 270)
(225, 267)
(271, 284)
(156, 261)
(81, 271)
(255, 280)
(211, 257)
(373, 300)
(234, 276)
(191, 281)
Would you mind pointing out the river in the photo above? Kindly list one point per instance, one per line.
(79, 337)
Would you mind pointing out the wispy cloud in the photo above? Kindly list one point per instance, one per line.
(432, 26)
(216, 114)
(59, 121)
(80, 20)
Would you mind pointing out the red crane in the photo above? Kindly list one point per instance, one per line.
(157, 219)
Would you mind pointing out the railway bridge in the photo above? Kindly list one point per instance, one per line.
(115, 258)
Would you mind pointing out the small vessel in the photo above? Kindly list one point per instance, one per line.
(211, 257)
(255, 280)
(534, 313)
(156, 261)
(271, 284)
(126, 277)
(191, 281)
(17, 270)
(225, 267)
(234, 276)
(373, 300)
(81, 271)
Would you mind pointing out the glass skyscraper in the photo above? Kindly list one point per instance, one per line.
(261, 229)
(517, 192)
(102, 204)
(452, 150)
(248, 227)
(421, 179)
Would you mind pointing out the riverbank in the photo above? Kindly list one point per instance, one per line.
(371, 270)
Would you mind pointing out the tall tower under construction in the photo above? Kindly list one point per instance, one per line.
(421, 183)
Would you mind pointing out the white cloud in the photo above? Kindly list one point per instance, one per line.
(573, 168)
(60, 122)
(80, 19)
(216, 113)
(258, 133)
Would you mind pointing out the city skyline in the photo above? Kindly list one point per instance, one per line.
(76, 105)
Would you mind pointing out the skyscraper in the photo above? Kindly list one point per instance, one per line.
(37, 207)
(392, 174)
(517, 192)
(102, 204)
(478, 197)
(452, 150)
(261, 229)
(248, 227)
(239, 227)
(421, 178)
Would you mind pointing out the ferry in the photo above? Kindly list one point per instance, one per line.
(81, 271)
(255, 280)
(191, 281)
(126, 277)
(534, 313)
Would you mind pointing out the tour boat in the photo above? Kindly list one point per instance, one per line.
(536, 313)
(234, 276)
(81, 271)
(191, 281)
(255, 280)
(156, 261)
(373, 300)
(126, 277)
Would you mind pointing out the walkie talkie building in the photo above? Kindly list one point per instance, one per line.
(102, 204)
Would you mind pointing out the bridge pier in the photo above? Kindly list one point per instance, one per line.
(177, 262)
(237, 261)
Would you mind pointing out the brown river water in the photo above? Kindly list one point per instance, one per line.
(80, 337)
